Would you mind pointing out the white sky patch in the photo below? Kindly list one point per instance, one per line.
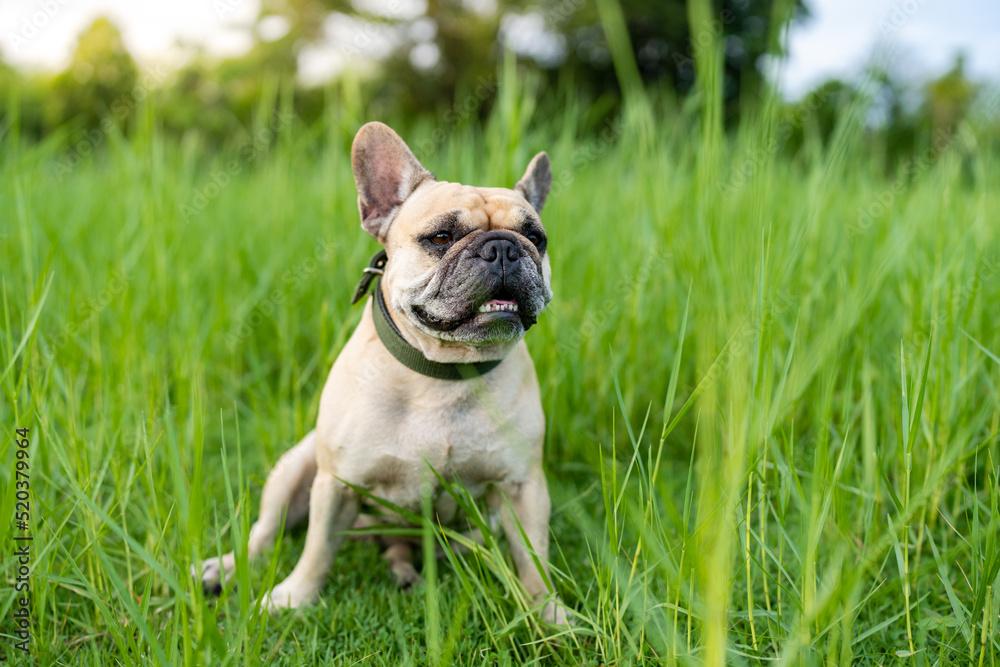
(481, 7)
(528, 35)
(423, 30)
(345, 40)
(425, 56)
(392, 9)
(924, 37)
(273, 27)
(153, 32)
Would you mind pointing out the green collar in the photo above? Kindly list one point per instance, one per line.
(393, 340)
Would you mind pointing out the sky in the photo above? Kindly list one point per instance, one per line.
(924, 35)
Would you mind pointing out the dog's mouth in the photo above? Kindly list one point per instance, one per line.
(501, 307)
(437, 323)
(498, 306)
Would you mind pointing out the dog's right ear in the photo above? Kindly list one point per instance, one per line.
(386, 173)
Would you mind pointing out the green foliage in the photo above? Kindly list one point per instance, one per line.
(904, 123)
(609, 51)
(467, 38)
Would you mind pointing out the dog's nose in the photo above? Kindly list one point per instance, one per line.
(502, 255)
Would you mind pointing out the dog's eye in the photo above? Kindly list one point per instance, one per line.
(442, 238)
(535, 238)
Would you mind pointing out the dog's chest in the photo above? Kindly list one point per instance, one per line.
(459, 437)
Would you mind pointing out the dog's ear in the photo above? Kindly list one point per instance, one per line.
(534, 185)
(386, 173)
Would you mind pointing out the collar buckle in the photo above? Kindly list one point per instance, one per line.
(376, 267)
(393, 340)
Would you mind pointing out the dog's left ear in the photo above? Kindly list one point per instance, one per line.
(536, 182)
(386, 173)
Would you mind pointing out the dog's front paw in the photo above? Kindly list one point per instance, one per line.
(214, 572)
(288, 595)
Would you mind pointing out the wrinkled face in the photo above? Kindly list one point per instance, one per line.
(468, 264)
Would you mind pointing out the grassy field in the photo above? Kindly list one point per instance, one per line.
(772, 389)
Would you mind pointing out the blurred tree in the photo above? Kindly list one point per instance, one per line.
(422, 55)
(906, 125)
(100, 79)
(407, 59)
(218, 97)
(813, 118)
(948, 98)
(419, 56)
(663, 46)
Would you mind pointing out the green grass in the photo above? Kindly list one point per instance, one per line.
(772, 424)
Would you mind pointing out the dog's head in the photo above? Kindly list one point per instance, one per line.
(468, 270)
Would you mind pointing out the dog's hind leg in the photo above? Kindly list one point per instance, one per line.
(400, 558)
(286, 494)
(399, 555)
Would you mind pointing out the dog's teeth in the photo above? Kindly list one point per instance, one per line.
(492, 307)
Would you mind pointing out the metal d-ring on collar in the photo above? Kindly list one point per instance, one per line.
(393, 340)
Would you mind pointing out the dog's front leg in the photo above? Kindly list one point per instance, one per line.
(530, 503)
(333, 507)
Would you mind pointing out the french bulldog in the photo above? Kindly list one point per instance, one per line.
(436, 375)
